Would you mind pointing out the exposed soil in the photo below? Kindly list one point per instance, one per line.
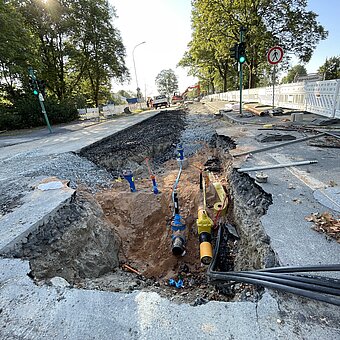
(90, 242)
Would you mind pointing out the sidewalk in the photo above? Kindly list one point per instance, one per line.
(297, 191)
(284, 120)
(26, 135)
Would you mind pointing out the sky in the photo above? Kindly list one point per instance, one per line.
(165, 26)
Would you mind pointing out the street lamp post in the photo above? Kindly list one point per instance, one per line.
(134, 65)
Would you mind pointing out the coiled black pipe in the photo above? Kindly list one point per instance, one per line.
(298, 285)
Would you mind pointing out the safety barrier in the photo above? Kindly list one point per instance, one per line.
(90, 113)
(320, 97)
(107, 111)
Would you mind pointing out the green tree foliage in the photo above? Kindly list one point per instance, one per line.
(97, 46)
(216, 27)
(50, 24)
(16, 48)
(77, 42)
(293, 73)
(72, 44)
(126, 94)
(331, 68)
(166, 82)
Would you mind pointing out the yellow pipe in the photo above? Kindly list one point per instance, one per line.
(204, 226)
(206, 252)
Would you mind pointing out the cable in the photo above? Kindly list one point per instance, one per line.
(284, 281)
(287, 285)
(309, 268)
(319, 280)
(289, 289)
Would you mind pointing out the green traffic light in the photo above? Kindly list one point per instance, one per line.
(242, 60)
(35, 92)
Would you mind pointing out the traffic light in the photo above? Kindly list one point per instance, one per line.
(34, 86)
(234, 52)
(241, 53)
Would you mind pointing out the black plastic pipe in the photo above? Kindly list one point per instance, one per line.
(176, 203)
(319, 280)
(285, 281)
(316, 295)
(298, 291)
(301, 269)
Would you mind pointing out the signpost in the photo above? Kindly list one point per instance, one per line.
(274, 56)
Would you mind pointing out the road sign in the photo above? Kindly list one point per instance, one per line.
(310, 77)
(275, 55)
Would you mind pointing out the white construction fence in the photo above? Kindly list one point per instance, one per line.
(107, 111)
(320, 97)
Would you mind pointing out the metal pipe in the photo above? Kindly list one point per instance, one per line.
(332, 135)
(275, 166)
(278, 145)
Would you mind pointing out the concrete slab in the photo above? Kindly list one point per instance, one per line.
(33, 312)
(38, 206)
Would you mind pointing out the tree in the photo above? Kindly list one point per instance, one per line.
(126, 94)
(216, 27)
(293, 73)
(79, 47)
(50, 24)
(98, 49)
(331, 68)
(166, 82)
(16, 48)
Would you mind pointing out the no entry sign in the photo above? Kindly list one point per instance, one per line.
(275, 55)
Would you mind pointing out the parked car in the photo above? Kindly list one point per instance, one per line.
(160, 101)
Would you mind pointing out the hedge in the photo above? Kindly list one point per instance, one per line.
(26, 113)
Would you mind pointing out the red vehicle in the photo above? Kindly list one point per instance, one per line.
(179, 98)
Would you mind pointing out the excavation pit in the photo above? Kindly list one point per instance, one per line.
(119, 240)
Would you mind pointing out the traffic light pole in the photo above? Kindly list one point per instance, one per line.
(40, 97)
(43, 110)
(241, 72)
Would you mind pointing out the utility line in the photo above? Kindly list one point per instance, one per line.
(313, 288)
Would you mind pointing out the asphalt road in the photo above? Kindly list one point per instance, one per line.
(67, 138)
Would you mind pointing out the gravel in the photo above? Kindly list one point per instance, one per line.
(22, 172)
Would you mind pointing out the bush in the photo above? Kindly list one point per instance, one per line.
(26, 113)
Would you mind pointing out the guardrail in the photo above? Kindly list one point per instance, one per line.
(320, 97)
